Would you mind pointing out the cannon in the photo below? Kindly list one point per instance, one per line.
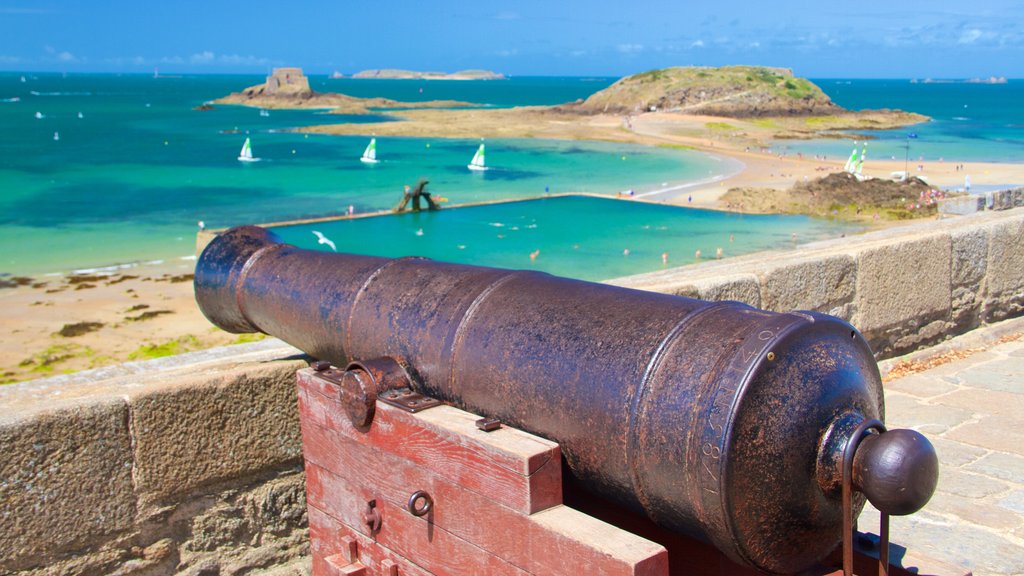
(744, 428)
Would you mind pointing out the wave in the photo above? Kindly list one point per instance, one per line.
(34, 93)
(961, 118)
(14, 99)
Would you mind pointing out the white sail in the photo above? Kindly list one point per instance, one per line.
(370, 154)
(860, 162)
(478, 163)
(851, 163)
(245, 155)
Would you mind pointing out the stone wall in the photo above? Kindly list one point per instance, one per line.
(188, 465)
(903, 288)
(192, 464)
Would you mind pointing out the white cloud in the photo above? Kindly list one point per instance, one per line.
(205, 57)
(237, 60)
(754, 45)
(630, 48)
(697, 44)
(66, 57)
(172, 60)
(508, 53)
(507, 15)
(970, 36)
(4, 59)
(578, 53)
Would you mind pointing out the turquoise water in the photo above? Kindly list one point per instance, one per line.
(579, 236)
(130, 179)
(970, 122)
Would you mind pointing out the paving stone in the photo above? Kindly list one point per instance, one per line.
(954, 481)
(952, 541)
(1003, 375)
(1008, 467)
(983, 512)
(955, 454)
(903, 411)
(921, 385)
(1001, 433)
(1014, 501)
(982, 401)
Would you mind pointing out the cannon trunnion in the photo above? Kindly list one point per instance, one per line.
(716, 420)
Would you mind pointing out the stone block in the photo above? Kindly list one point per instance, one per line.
(65, 482)
(962, 205)
(969, 256)
(902, 286)
(1018, 197)
(999, 200)
(215, 427)
(1004, 282)
(822, 285)
(741, 288)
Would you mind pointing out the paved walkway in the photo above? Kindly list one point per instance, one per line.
(972, 409)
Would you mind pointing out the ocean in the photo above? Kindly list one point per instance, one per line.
(97, 170)
(970, 122)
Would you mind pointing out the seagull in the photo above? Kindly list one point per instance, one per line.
(324, 240)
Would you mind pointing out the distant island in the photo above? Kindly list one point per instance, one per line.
(288, 88)
(989, 80)
(394, 74)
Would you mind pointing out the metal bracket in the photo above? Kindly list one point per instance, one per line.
(408, 400)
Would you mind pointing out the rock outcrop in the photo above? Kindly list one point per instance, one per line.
(732, 91)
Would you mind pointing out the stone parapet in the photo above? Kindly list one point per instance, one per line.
(903, 288)
(181, 464)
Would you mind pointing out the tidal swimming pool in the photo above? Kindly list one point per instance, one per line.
(579, 236)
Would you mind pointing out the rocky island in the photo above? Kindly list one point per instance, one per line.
(395, 74)
(288, 88)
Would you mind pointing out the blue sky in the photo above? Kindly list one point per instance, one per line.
(901, 39)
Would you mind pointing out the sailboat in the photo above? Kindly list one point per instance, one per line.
(370, 154)
(246, 153)
(477, 163)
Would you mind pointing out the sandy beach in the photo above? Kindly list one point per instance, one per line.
(59, 324)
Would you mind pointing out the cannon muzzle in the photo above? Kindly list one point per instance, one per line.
(715, 419)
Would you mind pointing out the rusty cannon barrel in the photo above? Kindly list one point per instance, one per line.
(714, 419)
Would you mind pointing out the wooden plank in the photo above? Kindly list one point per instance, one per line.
(525, 475)
(327, 537)
(474, 527)
(538, 543)
(507, 447)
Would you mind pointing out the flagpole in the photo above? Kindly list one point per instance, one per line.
(906, 161)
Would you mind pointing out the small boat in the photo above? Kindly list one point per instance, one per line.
(477, 163)
(39, 115)
(56, 135)
(80, 115)
(246, 154)
(370, 154)
(264, 112)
